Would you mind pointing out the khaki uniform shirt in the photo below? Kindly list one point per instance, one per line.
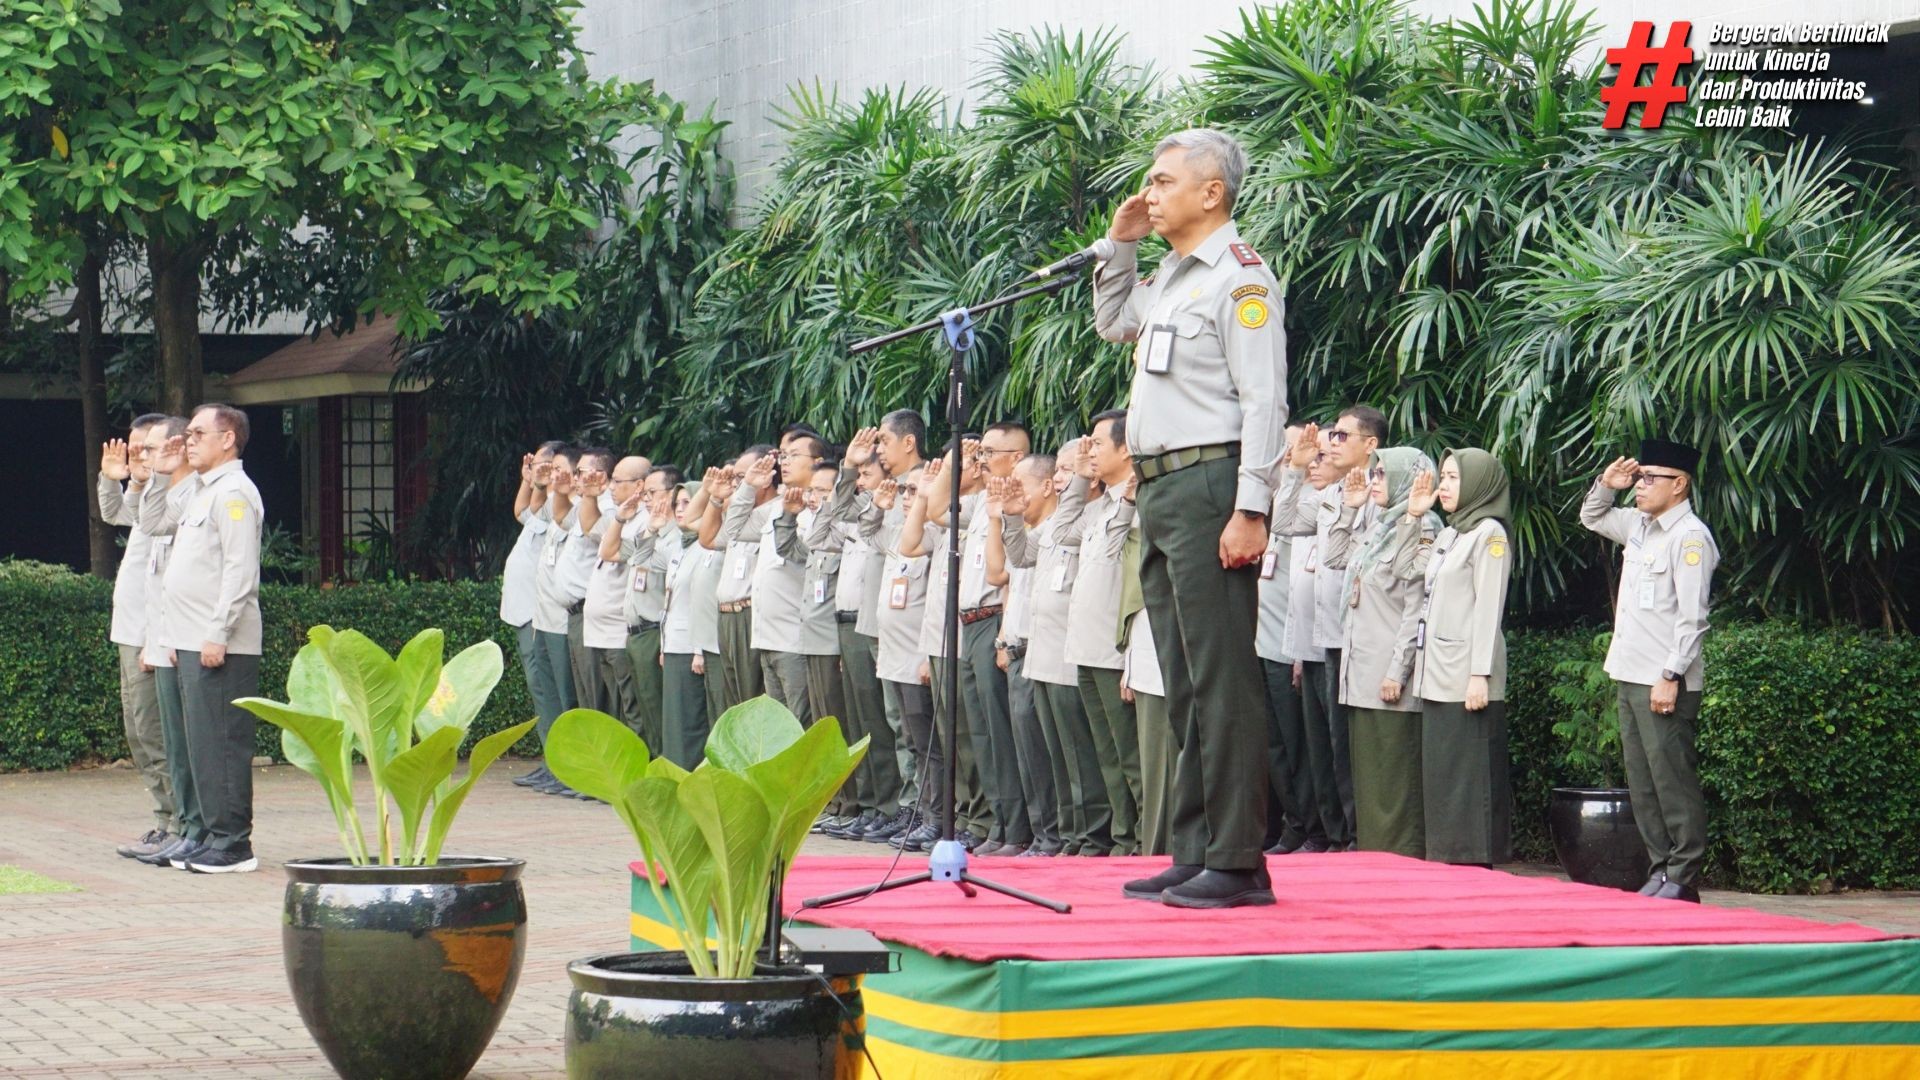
(578, 555)
(820, 577)
(523, 562)
(604, 625)
(1093, 616)
(902, 601)
(158, 556)
(1311, 513)
(742, 527)
(1053, 564)
(1459, 634)
(933, 621)
(1142, 672)
(692, 622)
(1383, 612)
(213, 575)
(859, 590)
(1666, 573)
(121, 507)
(1211, 361)
(649, 554)
(549, 605)
(1275, 598)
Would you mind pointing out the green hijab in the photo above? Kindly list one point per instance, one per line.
(1402, 464)
(1483, 489)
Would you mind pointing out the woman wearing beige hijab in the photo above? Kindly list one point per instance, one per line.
(1460, 658)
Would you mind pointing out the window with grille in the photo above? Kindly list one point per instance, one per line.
(366, 471)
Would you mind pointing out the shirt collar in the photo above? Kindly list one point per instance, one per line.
(1214, 246)
(1674, 514)
(219, 471)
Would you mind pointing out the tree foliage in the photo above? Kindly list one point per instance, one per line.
(1461, 242)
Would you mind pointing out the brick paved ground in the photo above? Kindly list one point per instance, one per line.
(152, 973)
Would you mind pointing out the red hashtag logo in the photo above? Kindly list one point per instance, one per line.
(1626, 90)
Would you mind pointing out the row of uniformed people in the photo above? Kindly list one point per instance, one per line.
(186, 621)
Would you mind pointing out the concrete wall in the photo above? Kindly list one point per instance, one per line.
(745, 56)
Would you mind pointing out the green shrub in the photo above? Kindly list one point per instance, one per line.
(60, 676)
(1809, 753)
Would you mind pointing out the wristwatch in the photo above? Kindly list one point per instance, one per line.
(1669, 676)
(1251, 515)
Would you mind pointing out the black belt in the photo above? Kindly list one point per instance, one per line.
(1016, 652)
(577, 607)
(642, 627)
(844, 617)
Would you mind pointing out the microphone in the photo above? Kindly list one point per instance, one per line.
(1099, 251)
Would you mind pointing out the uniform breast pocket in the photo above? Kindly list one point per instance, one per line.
(1168, 343)
(1655, 580)
(194, 521)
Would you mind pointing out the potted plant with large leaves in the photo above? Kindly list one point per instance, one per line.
(717, 842)
(1591, 818)
(402, 960)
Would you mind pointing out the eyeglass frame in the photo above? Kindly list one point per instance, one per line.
(1643, 478)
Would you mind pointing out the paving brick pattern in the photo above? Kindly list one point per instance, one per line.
(158, 973)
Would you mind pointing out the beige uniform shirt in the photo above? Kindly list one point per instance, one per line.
(1054, 564)
(604, 625)
(1142, 672)
(692, 622)
(902, 602)
(1210, 365)
(820, 577)
(549, 605)
(159, 554)
(742, 527)
(859, 591)
(1313, 514)
(516, 579)
(933, 620)
(1459, 634)
(1275, 599)
(1382, 617)
(213, 575)
(121, 507)
(579, 554)
(1666, 573)
(1093, 616)
(649, 556)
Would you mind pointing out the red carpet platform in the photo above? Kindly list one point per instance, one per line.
(1370, 966)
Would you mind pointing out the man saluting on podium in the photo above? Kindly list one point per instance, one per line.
(1207, 426)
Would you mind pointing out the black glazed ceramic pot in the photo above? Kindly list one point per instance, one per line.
(641, 1016)
(403, 972)
(1595, 837)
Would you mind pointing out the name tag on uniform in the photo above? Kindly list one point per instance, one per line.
(1060, 577)
(640, 580)
(553, 554)
(943, 573)
(897, 594)
(979, 559)
(1646, 593)
(1268, 563)
(1159, 359)
(1313, 557)
(820, 591)
(739, 568)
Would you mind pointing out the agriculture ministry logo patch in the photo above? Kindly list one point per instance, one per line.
(1253, 313)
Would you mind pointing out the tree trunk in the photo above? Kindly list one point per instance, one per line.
(103, 554)
(175, 268)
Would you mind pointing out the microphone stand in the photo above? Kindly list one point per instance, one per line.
(948, 860)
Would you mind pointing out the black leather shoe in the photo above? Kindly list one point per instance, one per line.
(917, 840)
(1673, 890)
(1151, 888)
(1284, 846)
(1311, 847)
(1221, 889)
(885, 829)
(1653, 884)
(533, 778)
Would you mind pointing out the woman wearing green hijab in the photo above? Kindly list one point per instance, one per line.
(1460, 666)
(1376, 661)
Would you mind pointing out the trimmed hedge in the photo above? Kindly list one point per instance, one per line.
(60, 676)
(1810, 751)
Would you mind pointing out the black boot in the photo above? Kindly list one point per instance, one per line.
(1151, 888)
(1222, 889)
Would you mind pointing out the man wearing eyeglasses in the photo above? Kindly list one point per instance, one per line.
(1660, 620)
(212, 623)
(124, 474)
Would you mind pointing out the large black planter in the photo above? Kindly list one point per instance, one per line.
(1596, 839)
(640, 1016)
(403, 972)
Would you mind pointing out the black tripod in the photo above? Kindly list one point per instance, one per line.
(948, 860)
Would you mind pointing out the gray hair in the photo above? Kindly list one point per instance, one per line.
(1211, 149)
